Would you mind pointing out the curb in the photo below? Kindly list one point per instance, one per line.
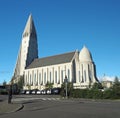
(15, 110)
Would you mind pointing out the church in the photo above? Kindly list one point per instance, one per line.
(77, 66)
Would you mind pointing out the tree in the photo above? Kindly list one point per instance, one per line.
(69, 88)
(97, 86)
(20, 82)
(49, 85)
(116, 88)
(4, 83)
(108, 94)
(28, 86)
(116, 82)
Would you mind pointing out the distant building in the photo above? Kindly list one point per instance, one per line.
(106, 83)
(78, 66)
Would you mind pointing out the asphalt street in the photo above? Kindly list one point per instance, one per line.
(3, 97)
(54, 107)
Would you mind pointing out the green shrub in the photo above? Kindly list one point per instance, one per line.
(3, 92)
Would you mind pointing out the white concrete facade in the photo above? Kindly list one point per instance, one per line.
(38, 77)
(78, 66)
(81, 73)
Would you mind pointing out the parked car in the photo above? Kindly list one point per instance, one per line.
(49, 91)
(28, 92)
(44, 92)
(34, 91)
(22, 91)
(56, 91)
(38, 92)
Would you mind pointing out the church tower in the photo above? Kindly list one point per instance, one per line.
(28, 49)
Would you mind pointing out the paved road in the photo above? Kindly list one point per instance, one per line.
(46, 107)
(3, 97)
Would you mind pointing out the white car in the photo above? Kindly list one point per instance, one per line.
(28, 92)
(49, 91)
(33, 92)
(39, 92)
(44, 92)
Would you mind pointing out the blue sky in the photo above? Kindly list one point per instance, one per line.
(62, 26)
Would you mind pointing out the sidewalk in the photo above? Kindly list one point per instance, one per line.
(9, 108)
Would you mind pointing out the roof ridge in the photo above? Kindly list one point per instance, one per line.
(58, 54)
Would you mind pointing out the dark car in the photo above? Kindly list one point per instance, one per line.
(56, 91)
(22, 91)
(34, 91)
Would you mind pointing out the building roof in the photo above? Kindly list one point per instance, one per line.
(52, 60)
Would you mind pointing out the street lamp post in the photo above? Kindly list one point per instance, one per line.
(66, 86)
(9, 94)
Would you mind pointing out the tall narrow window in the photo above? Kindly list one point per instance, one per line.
(84, 75)
(26, 79)
(68, 75)
(50, 78)
(35, 79)
(55, 76)
(79, 76)
(39, 78)
(58, 79)
(90, 74)
(82, 79)
(62, 76)
(44, 78)
(30, 80)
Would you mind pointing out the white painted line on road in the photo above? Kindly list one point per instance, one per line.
(27, 99)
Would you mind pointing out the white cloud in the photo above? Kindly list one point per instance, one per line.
(105, 78)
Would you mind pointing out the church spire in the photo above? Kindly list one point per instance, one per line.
(29, 28)
(28, 49)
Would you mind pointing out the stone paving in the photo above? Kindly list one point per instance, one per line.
(8, 108)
